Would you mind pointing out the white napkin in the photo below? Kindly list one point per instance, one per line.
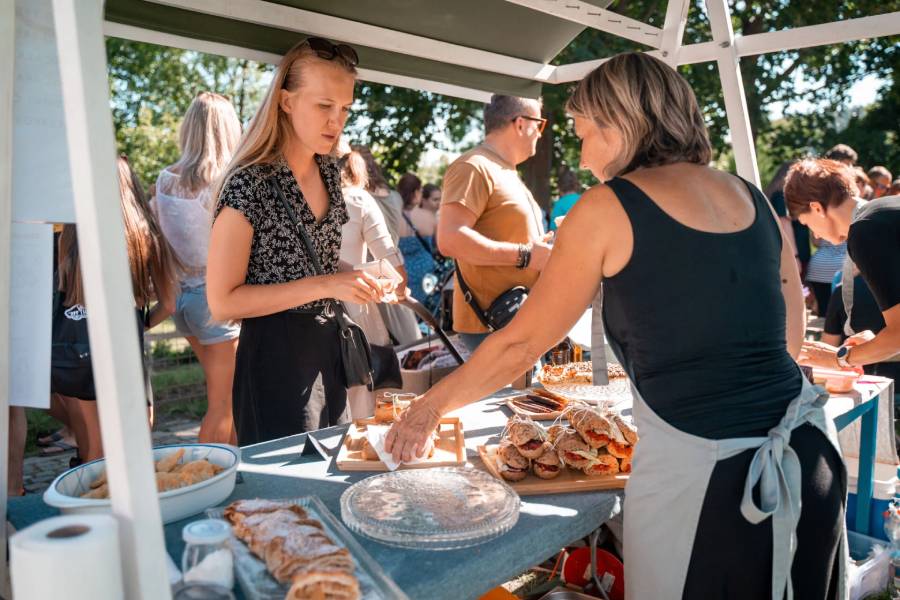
(377, 435)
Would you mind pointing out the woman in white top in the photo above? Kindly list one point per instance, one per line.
(208, 135)
(365, 234)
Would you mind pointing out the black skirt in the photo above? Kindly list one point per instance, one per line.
(288, 377)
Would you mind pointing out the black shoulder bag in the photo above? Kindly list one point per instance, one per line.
(501, 311)
(374, 366)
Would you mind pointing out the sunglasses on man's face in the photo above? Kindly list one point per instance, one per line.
(542, 121)
(328, 51)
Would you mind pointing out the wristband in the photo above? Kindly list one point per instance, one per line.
(524, 257)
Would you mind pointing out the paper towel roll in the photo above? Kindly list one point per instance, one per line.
(74, 557)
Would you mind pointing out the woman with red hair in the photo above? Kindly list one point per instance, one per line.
(822, 195)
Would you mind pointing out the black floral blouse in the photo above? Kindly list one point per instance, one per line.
(277, 254)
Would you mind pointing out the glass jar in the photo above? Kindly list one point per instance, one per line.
(207, 557)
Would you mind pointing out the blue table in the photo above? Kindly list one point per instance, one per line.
(276, 470)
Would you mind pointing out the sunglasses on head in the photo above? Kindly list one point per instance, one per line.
(542, 121)
(329, 51)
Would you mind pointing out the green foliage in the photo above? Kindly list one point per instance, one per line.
(151, 87)
(820, 76)
(399, 124)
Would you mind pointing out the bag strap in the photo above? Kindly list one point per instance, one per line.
(298, 226)
(469, 297)
(335, 308)
(418, 235)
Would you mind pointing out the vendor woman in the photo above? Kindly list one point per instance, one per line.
(822, 195)
(703, 304)
(259, 270)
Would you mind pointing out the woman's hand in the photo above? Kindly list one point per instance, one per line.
(357, 287)
(818, 354)
(408, 436)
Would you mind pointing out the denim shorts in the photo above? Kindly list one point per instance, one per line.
(192, 318)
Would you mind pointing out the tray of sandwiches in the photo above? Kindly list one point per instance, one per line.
(575, 381)
(446, 447)
(295, 548)
(588, 449)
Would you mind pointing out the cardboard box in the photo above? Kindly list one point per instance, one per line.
(418, 381)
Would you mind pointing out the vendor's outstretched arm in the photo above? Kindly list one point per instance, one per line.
(567, 285)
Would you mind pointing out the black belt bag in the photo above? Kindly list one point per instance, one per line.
(501, 311)
(374, 366)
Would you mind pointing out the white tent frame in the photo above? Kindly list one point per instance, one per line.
(80, 29)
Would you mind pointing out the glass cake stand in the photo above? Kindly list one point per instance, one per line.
(431, 509)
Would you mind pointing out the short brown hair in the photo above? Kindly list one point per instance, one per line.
(828, 182)
(407, 187)
(879, 171)
(651, 104)
(842, 152)
(503, 110)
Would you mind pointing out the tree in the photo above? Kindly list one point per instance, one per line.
(399, 124)
(821, 75)
(151, 87)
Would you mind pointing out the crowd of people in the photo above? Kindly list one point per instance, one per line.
(254, 243)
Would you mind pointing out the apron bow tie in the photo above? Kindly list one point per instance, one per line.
(775, 468)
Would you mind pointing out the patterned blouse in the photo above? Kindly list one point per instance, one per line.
(277, 253)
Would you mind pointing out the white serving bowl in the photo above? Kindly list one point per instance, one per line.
(65, 491)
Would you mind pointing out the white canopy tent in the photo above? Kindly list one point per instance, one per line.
(80, 26)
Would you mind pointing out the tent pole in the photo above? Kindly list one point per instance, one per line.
(7, 80)
(673, 31)
(733, 91)
(118, 374)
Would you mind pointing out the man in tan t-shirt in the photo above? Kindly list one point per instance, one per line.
(489, 221)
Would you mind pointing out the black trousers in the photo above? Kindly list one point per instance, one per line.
(283, 363)
(732, 558)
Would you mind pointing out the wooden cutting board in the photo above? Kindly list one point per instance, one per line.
(449, 449)
(568, 481)
(535, 416)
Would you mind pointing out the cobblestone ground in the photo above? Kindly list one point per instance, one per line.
(40, 471)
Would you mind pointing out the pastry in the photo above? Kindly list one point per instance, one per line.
(602, 464)
(510, 462)
(628, 430)
(296, 549)
(527, 436)
(168, 463)
(572, 449)
(547, 465)
(596, 429)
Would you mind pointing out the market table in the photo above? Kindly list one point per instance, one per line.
(276, 470)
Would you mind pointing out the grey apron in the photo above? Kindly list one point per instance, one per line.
(670, 473)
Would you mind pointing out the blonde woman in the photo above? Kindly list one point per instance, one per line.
(258, 269)
(208, 136)
(365, 234)
(154, 276)
(737, 488)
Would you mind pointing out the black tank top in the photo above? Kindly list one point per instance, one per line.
(700, 319)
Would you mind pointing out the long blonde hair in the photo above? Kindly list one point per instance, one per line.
(651, 105)
(150, 258)
(271, 127)
(207, 137)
